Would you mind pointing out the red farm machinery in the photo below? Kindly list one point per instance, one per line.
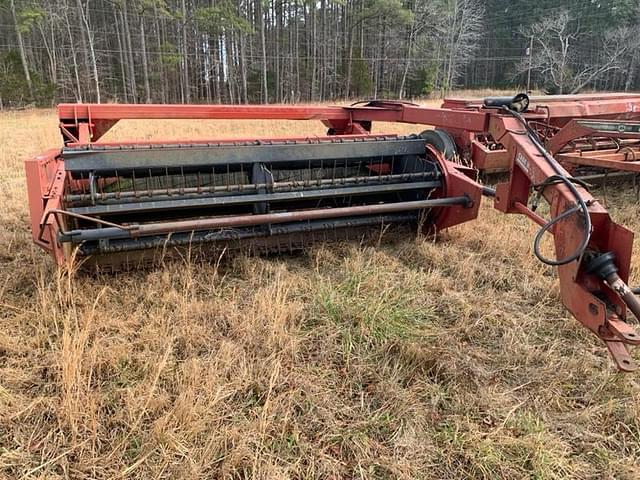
(113, 205)
(591, 132)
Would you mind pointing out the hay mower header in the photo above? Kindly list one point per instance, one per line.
(115, 205)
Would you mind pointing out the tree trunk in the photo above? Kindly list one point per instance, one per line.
(145, 64)
(74, 57)
(163, 82)
(219, 71)
(50, 47)
(186, 89)
(407, 63)
(633, 66)
(243, 68)
(297, 52)
(121, 55)
(23, 53)
(315, 53)
(265, 92)
(277, 13)
(130, 64)
(90, 54)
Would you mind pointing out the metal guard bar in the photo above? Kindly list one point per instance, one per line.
(140, 230)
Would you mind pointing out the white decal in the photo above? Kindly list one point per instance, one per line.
(523, 162)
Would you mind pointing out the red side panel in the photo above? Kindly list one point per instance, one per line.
(45, 183)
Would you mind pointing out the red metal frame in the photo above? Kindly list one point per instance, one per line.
(580, 291)
(616, 159)
(489, 134)
(45, 182)
(86, 123)
(46, 175)
(464, 119)
(559, 115)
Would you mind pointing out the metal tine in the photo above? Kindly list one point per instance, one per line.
(198, 181)
(68, 191)
(344, 173)
(294, 182)
(212, 179)
(255, 183)
(321, 173)
(228, 179)
(241, 178)
(166, 173)
(133, 184)
(149, 191)
(118, 186)
(290, 184)
(391, 170)
(184, 181)
(79, 191)
(333, 178)
(404, 170)
(83, 184)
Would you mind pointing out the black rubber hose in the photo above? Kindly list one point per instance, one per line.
(581, 204)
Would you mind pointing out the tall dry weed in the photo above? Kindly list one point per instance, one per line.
(399, 358)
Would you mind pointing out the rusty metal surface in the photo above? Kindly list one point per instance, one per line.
(248, 199)
(151, 194)
(563, 120)
(292, 185)
(590, 299)
(290, 243)
(579, 224)
(250, 235)
(171, 227)
(620, 160)
(108, 160)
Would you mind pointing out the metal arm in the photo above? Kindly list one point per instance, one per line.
(593, 252)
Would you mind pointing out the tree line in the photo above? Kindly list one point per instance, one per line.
(268, 51)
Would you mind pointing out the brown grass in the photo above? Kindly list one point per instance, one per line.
(412, 359)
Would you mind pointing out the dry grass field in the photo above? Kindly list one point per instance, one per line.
(412, 358)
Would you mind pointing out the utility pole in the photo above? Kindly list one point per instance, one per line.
(530, 53)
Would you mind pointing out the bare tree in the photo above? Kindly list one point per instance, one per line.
(459, 33)
(48, 25)
(186, 87)
(23, 54)
(424, 17)
(557, 57)
(90, 54)
(142, 10)
(619, 45)
(242, 51)
(263, 46)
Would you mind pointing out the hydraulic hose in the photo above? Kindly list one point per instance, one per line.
(559, 177)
